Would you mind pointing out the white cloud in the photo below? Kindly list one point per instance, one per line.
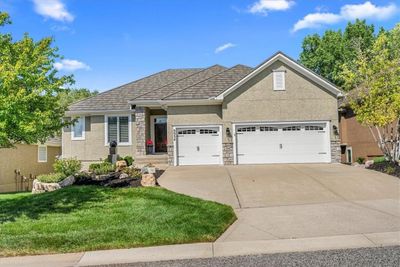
(316, 20)
(70, 65)
(263, 6)
(347, 12)
(221, 48)
(54, 9)
(367, 10)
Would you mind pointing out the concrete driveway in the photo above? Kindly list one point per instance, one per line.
(286, 201)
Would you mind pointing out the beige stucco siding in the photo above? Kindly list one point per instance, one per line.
(93, 148)
(192, 115)
(25, 159)
(302, 100)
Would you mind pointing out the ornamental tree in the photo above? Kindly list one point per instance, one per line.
(30, 110)
(374, 76)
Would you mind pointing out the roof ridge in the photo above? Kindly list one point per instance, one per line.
(200, 82)
(204, 69)
(118, 87)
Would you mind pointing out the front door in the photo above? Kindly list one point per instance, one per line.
(160, 135)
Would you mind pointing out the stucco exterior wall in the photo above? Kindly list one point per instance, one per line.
(93, 148)
(302, 100)
(25, 159)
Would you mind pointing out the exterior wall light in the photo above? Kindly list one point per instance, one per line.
(228, 132)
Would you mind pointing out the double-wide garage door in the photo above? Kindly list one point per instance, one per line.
(255, 144)
(282, 143)
(198, 146)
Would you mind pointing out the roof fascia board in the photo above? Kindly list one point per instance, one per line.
(97, 112)
(178, 102)
(289, 62)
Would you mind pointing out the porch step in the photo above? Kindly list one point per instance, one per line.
(157, 160)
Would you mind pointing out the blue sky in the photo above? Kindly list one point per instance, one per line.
(108, 43)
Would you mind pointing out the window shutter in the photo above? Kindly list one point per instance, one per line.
(123, 129)
(112, 129)
(42, 153)
(279, 80)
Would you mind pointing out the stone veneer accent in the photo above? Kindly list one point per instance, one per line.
(335, 151)
(140, 117)
(227, 153)
(170, 150)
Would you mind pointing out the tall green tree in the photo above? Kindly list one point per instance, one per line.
(374, 75)
(326, 54)
(71, 95)
(30, 87)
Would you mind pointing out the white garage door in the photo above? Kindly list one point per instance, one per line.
(198, 146)
(282, 143)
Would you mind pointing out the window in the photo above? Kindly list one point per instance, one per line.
(117, 129)
(192, 131)
(279, 80)
(291, 128)
(313, 128)
(349, 155)
(42, 153)
(268, 129)
(207, 131)
(246, 129)
(78, 129)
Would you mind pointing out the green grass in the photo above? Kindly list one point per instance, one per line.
(81, 218)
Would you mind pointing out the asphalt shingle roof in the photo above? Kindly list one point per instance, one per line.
(175, 84)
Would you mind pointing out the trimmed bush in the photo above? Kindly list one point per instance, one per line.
(379, 159)
(360, 160)
(128, 160)
(68, 166)
(101, 168)
(51, 177)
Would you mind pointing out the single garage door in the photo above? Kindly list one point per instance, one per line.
(282, 143)
(199, 145)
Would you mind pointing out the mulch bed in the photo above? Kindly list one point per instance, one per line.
(386, 167)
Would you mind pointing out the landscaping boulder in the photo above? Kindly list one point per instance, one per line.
(148, 180)
(123, 176)
(39, 187)
(369, 163)
(70, 180)
(120, 164)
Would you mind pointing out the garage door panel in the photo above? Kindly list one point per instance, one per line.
(199, 146)
(286, 143)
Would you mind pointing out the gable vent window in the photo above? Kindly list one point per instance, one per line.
(117, 129)
(42, 153)
(279, 80)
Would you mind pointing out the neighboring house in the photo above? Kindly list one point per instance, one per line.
(29, 159)
(357, 140)
(278, 112)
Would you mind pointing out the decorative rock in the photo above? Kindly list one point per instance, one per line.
(148, 180)
(121, 164)
(39, 187)
(369, 163)
(70, 180)
(123, 176)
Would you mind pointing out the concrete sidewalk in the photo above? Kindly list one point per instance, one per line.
(204, 250)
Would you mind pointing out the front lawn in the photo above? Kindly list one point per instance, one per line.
(81, 218)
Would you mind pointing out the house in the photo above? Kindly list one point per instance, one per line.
(32, 160)
(277, 112)
(357, 141)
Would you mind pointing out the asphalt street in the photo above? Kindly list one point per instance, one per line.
(378, 256)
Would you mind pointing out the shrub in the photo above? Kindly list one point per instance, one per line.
(128, 160)
(132, 172)
(379, 159)
(67, 166)
(390, 170)
(101, 168)
(51, 177)
(360, 160)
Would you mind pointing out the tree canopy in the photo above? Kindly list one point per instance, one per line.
(30, 88)
(71, 95)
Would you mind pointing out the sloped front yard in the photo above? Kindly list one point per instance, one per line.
(81, 218)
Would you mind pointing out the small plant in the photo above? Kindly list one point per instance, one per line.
(132, 172)
(129, 160)
(379, 159)
(68, 166)
(390, 170)
(360, 160)
(51, 177)
(101, 168)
